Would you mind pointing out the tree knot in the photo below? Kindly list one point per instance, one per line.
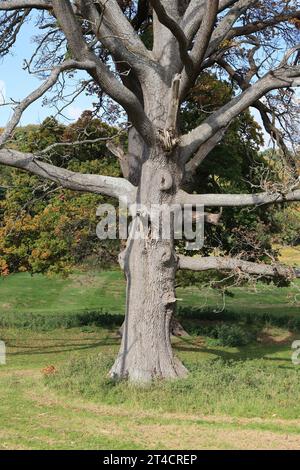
(165, 180)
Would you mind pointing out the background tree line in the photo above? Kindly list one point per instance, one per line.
(45, 228)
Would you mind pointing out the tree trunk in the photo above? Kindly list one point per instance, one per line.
(146, 350)
(150, 265)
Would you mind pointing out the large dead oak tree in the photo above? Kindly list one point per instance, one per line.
(253, 42)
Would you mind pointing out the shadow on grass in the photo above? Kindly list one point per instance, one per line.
(55, 349)
(253, 351)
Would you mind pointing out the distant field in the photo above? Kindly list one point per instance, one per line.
(105, 291)
(38, 293)
(290, 255)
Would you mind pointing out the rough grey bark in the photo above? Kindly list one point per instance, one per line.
(146, 350)
(150, 266)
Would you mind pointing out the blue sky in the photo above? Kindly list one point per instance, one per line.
(16, 83)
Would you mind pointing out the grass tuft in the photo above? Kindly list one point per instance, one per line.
(237, 388)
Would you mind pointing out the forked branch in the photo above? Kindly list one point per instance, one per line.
(200, 46)
(176, 30)
(40, 91)
(283, 77)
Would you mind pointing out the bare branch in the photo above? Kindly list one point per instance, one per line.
(283, 77)
(194, 14)
(101, 74)
(35, 95)
(244, 83)
(236, 200)
(201, 43)
(203, 151)
(236, 264)
(76, 143)
(203, 36)
(225, 26)
(192, 18)
(19, 4)
(224, 4)
(262, 25)
(112, 28)
(10, 26)
(110, 186)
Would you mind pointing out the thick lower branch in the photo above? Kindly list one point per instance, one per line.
(203, 151)
(235, 264)
(110, 186)
(236, 200)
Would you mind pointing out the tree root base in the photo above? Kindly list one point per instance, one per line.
(137, 375)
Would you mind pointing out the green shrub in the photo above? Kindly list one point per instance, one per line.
(50, 321)
(294, 324)
(271, 318)
(232, 335)
(225, 335)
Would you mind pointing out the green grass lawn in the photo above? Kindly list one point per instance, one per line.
(55, 392)
(234, 398)
(82, 291)
(22, 293)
